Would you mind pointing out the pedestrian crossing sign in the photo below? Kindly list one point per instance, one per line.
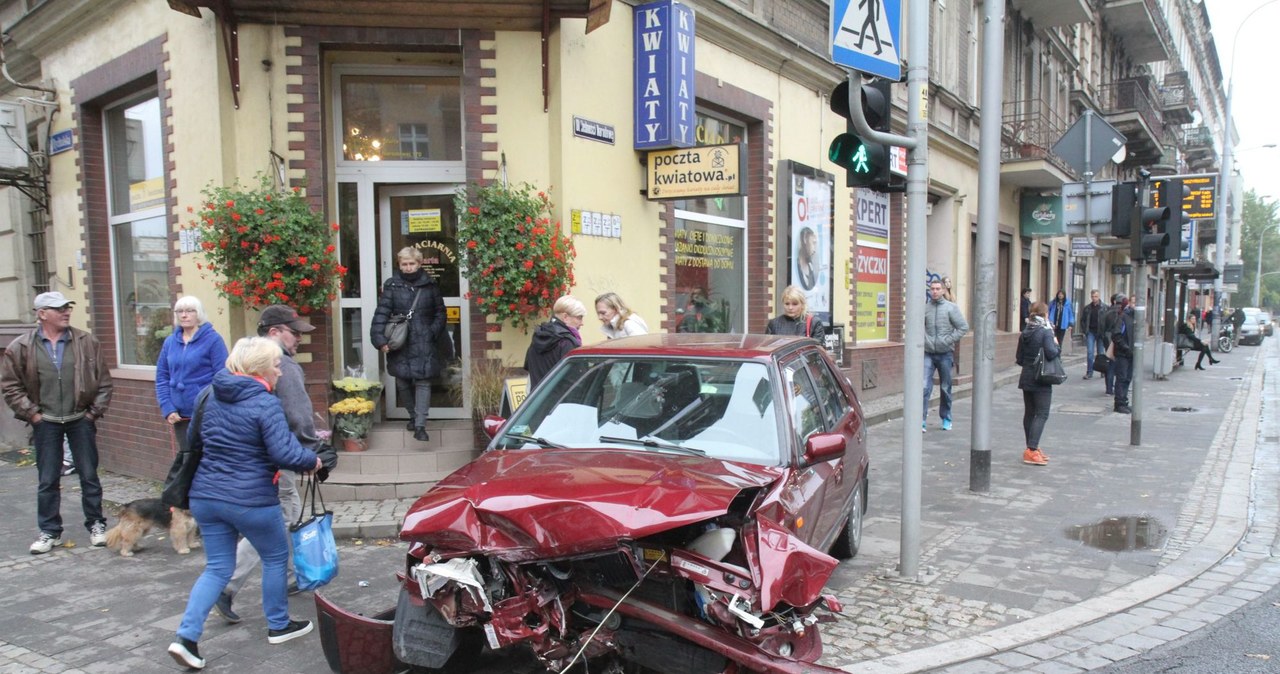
(865, 35)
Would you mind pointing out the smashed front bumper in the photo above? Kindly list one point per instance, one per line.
(355, 643)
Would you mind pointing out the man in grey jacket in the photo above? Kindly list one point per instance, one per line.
(944, 326)
(282, 325)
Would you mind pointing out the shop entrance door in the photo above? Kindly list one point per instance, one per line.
(422, 216)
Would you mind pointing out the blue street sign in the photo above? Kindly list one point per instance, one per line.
(866, 35)
(60, 142)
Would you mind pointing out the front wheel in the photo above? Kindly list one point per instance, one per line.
(1224, 344)
(850, 540)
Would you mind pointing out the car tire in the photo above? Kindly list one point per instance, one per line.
(850, 540)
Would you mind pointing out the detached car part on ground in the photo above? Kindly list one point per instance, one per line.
(660, 503)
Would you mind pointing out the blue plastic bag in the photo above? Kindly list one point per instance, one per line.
(315, 553)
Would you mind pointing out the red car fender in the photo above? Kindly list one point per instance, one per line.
(785, 568)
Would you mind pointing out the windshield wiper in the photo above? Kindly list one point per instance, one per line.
(654, 444)
(541, 442)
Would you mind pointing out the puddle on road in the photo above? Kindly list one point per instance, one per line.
(1121, 534)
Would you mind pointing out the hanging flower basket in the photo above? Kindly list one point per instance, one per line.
(516, 260)
(266, 246)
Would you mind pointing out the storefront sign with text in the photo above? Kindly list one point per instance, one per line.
(706, 171)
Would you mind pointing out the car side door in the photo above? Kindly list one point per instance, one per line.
(841, 418)
(804, 495)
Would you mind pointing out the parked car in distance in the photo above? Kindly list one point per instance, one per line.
(668, 503)
(1268, 324)
(1252, 331)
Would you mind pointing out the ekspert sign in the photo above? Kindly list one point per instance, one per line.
(704, 171)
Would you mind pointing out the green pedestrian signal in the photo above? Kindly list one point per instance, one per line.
(866, 163)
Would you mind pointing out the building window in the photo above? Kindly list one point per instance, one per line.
(401, 117)
(139, 242)
(710, 250)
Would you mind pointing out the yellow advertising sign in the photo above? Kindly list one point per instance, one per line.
(146, 194)
(424, 220)
(514, 391)
(705, 171)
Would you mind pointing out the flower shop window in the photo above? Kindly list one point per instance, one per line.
(401, 117)
(139, 241)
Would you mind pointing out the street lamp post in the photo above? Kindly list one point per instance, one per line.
(1224, 176)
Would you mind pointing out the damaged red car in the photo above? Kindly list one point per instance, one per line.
(665, 503)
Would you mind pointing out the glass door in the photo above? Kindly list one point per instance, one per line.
(422, 216)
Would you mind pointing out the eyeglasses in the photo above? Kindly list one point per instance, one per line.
(296, 334)
(62, 310)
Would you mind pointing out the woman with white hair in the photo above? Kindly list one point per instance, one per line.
(555, 338)
(188, 360)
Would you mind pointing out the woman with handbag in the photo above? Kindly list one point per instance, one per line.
(1037, 339)
(242, 438)
(188, 360)
(411, 311)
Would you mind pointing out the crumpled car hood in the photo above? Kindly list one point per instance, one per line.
(529, 504)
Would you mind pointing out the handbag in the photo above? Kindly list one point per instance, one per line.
(1101, 364)
(1049, 371)
(177, 484)
(397, 330)
(315, 553)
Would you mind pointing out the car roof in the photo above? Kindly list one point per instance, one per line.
(696, 345)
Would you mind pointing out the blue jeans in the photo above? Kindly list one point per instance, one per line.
(1091, 344)
(81, 436)
(942, 363)
(220, 522)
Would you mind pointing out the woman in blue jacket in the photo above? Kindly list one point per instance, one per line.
(188, 360)
(1036, 397)
(245, 439)
(1061, 315)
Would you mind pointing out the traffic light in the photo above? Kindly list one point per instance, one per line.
(1155, 240)
(1124, 200)
(866, 163)
(1171, 194)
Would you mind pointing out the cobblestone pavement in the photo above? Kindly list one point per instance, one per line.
(1109, 551)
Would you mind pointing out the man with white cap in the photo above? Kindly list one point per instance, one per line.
(56, 379)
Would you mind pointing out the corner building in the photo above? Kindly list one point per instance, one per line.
(380, 111)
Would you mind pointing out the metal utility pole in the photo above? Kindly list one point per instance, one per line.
(984, 286)
(1139, 312)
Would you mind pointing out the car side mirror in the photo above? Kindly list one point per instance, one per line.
(823, 447)
(491, 424)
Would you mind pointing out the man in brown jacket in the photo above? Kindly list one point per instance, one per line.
(55, 379)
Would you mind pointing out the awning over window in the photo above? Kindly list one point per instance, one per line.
(482, 14)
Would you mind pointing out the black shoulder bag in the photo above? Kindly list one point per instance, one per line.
(177, 485)
(397, 330)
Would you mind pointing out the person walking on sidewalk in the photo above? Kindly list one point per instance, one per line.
(245, 437)
(1024, 309)
(282, 325)
(1061, 316)
(1120, 337)
(189, 358)
(1091, 326)
(1036, 397)
(944, 327)
(55, 378)
(412, 293)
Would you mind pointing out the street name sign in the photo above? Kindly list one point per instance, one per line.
(866, 35)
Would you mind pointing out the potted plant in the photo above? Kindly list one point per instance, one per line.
(357, 387)
(268, 246)
(515, 258)
(352, 419)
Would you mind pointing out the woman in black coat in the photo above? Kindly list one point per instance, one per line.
(795, 318)
(555, 338)
(1036, 397)
(414, 293)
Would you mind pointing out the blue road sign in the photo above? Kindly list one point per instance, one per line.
(866, 35)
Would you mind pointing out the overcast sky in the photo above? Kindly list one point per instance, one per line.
(1255, 101)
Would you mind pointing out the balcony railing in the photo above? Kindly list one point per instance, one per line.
(1176, 99)
(1029, 129)
(1197, 139)
(1128, 96)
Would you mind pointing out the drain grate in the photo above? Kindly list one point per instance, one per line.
(1182, 408)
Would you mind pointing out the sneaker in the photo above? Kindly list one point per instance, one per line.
(421, 435)
(293, 588)
(98, 534)
(223, 607)
(1124, 409)
(296, 628)
(924, 427)
(45, 543)
(68, 468)
(1032, 457)
(946, 424)
(186, 653)
(1088, 376)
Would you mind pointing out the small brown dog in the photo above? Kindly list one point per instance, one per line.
(141, 516)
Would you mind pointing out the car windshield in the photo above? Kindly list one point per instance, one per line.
(714, 407)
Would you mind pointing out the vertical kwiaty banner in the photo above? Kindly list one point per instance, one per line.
(663, 78)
